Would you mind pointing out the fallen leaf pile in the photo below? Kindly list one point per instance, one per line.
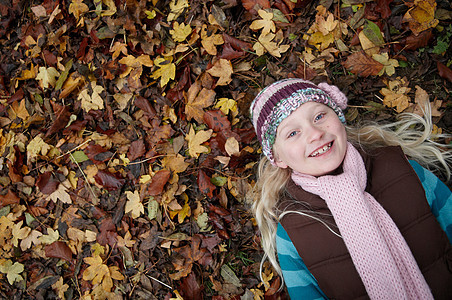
(127, 157)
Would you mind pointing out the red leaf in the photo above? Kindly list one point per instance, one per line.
(61, 121)
(137, 149)
(46, 183)
(216, 120)
(37, 211)
(19, 95)
(229, 53)
(383, 8)
(76, 126)
(110, 181)
(158, 182)
(59, 250)
(108, 234)
(253, 5)
(236, 43)
(145, 105)
(190, 288)
(204, 184)
(444, 71)
(9, 198)
(97, 154)
(362, 65)
(415, 42)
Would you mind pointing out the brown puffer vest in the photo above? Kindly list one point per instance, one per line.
(395, 185)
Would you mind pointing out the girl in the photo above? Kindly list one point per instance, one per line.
(347, 214)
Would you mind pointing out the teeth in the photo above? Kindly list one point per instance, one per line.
(321, 150)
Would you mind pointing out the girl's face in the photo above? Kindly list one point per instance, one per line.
(312, 140)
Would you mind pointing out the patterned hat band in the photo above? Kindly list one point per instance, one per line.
(278, 100)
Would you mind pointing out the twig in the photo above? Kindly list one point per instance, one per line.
(159, 281)
(84, 176)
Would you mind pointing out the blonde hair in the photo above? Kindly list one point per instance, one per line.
(413, 133)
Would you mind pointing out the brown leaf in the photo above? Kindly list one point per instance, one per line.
(46, 183)
(190, 288)
(362, 65)
(145, 105)
(61, 121)
(204, 184)
(254, 5)
(444, 71)
(383, 8)
(136, 150)
(60, 250)
(110, 181)
(158, 182)
(229, 53)
(236, 43)
(9, 198)
(415, 42)
(97, 154)
(197, 99)
(216, 120)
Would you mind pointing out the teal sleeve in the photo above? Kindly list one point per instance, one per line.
(300, 283)
(438, 195)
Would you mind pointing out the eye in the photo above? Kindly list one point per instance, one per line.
(319, 117)
(292, 133)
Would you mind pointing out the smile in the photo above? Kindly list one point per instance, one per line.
(322, 150)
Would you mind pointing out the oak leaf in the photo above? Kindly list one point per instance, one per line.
(222, 68)
(133, 204)
(91, 101)
(266, 23)
(195, 141)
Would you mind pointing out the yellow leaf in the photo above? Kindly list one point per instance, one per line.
(226, 105)
(209, 42)
(197, 99)
(196, 139)
(77, 8)
(388, 64)
(126, 241)
(166, 70)
(11, 270)
(133, 204)
(118, 48)
(93, 101)
(97, 272)
(31, 238)
(266, 43)
(19, 233)
(50, 237)
(185, 212)
(321, 41)
(18, 109)
(29, 74)
(176, 164)
(35, 147)
(222, 68)
(421, 16)
(176, 7)
(180, 32)
(47, 76)
(396, 94)
(266, 23)
(60, 287)
(62, 194)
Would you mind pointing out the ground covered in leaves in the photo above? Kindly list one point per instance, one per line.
(127, 158)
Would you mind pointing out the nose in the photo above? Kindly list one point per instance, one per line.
(314, 133)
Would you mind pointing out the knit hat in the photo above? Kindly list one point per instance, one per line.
(278, 100)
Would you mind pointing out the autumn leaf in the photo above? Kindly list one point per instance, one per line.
(176, 7)
(19, 233)
(60, 287)
(50, 237)
(90, 97)
(198, 98)
(195, 141)
(396, 94)
(78, 8)
(180, 32)
(126, 241)
(166, 70)
(11, 270)
(422, 101)
(61, 194)
(389, 64)
(100, 273)
(360, 64)
(266, 43)
(226, 105)
(118, 48)
(176, 164)
(232, 146)
(133, 204)
(47, 77)
(209, 42)
(222, 69)
(266, 23)
(36, 147)
(421, 16)
(31, 238)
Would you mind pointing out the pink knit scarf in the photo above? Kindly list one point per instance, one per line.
(378, 250)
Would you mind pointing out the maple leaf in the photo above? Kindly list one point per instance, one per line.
(118, 48)
(176, 163)
(388, 64)
(421, 99)
(182, 213)
(60, 287)
(396, 94)
(99, 273)
(266, 43)
(327, 25)
(266, 23)
(11, 270)
(176, 7)
(19, 233)
(37, 146)
(198, 98)
(78, 8)
(421, 16)
(50, 237)
(222, 68)
(31, 238)
(166, 70)
(362, 65)
(196, 139)
(126, 241)
(134, 204)
(209, 42)
(60, 193)
(226, 105)
(180, 32)
(93, 101)
(47, 76)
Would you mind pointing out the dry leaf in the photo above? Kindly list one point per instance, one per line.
(180, 32)
(195, 140)
(91, 101)
(362, 65)
(133, 204)
(396, 94)
(197, 99)
(222, 69)
(421, 16)
(47, 77)
(166, 70)
(266, 23)
(389, 64)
